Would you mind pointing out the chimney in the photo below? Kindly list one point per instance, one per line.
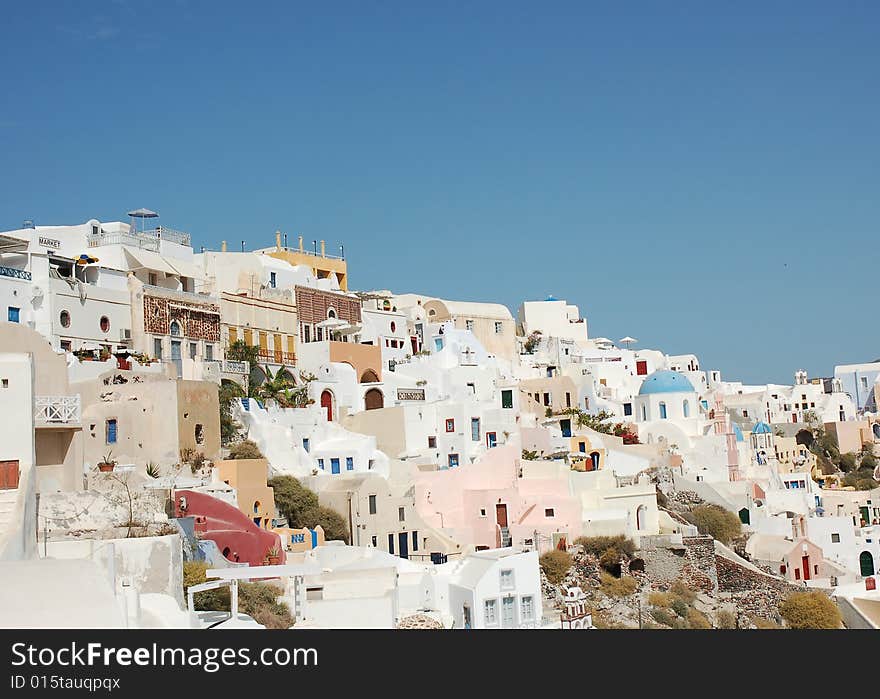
(223, 246)
(322, 249)
(300, 243)
(278, 241)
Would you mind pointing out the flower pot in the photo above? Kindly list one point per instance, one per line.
(104, 467)
(274, 560)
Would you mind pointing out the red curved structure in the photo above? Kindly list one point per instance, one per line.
(240, 540)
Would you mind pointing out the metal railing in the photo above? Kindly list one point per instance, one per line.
(138, 240)
(179, 294)
(13, 273)
(277, 356)
(56, 410)
(232, 366)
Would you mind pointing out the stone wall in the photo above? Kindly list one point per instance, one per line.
(692, 561)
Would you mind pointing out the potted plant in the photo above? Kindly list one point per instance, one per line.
(107, 464)
(273, 556)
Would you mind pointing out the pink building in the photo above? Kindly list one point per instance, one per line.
(497, 502)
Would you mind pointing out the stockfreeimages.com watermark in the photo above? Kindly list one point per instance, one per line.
(209, 659)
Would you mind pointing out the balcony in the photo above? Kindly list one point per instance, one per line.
(184, 296)
(57, 411)
(147, 240)
(277, 357)
(13, 273)
(231, 366)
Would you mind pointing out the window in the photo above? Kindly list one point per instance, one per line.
(507, 399)
(491, 440)
(549, 512)
(349, 463)
(686, 409)
(627, 408)
(65, 345)
(401, 514)
(452, 460)
(546, 399)
(110, 431)
(193, 347)
(527, 607)
(13, 314)
(306, 444)
(469, 325)
(432, 442)
(475, 429)
(582, 447)
(153, 279)
(209, 352)
(65, 319)
(375, 541)
(662, 410)
(415, 541)
(321, 464)
(105, 324)
(507, 580)
(499, 327)
(175, 328)
(5, 383)
(567, 399)
(491, 611)
(391, 543)
(450, 424)
(272, 279)
(157, 347)
(393, 326)
(200, 433)
(372, 504)
(482, 512)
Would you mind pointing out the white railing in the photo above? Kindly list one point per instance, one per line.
(231, 366)
(56, 410)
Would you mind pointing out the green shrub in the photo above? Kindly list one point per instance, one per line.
(725, 619)
(716, 522)
(597, 545)
(301, 508)
(847, 462)
(245, 450)
(697, 620)
(680, 607)
(660, 599)
(618, 587)
(682, 591)
(810, 610)
(555, 565)
(663, 616)
(209, 600)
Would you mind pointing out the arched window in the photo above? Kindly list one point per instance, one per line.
(65, 319)
(256, 507)
(175, 328)
(686, 409)
(662, 410)
(105, 324)
(331, 313)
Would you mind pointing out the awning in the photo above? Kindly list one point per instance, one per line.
(347, 330)
(10, 244)
(186, 269)
(144, 259)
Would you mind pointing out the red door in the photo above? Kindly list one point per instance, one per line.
(805, 564)
(327, 404)
(414, 341)
(8, 475)
(501, 515)
(641, 367)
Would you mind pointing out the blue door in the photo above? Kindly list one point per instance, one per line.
(565, 425)
(491, 439)
(403, 540)
(334, 465)
(475, 429)
(349, 463)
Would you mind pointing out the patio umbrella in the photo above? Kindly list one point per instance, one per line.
(141, 214)
(627, 340)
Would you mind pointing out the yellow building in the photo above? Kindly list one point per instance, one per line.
(322, 264)
(267, 323)
(248, 477)
(593, 457)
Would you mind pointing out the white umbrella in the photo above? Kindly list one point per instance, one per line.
(627, 340)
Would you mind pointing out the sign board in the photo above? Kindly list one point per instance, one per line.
(50, 242)
(410, 394)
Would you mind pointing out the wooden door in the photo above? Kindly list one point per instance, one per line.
(327, 404)
(9, 475)
(501, 515)
(805, 565)
(641, 367)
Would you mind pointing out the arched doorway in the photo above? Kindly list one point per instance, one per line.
(866, 563)
(876, 430)
(744, 516)
(804, 437)
(594, 461)
(369, 376)
(373, 399)
(327, 404)
(641, 515)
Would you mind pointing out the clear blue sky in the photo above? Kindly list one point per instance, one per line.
(702, 176)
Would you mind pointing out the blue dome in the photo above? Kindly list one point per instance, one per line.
(738, 432)
(665, 382)
(761, 427)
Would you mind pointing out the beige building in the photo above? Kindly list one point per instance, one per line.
(255, 498)
(267, 321)
(557, 393)
(148, 418)
(491, 323)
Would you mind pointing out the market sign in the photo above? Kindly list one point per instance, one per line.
(410, 394)
(50, 242)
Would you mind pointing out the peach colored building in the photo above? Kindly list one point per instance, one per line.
(490, 504)
(255, 498)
